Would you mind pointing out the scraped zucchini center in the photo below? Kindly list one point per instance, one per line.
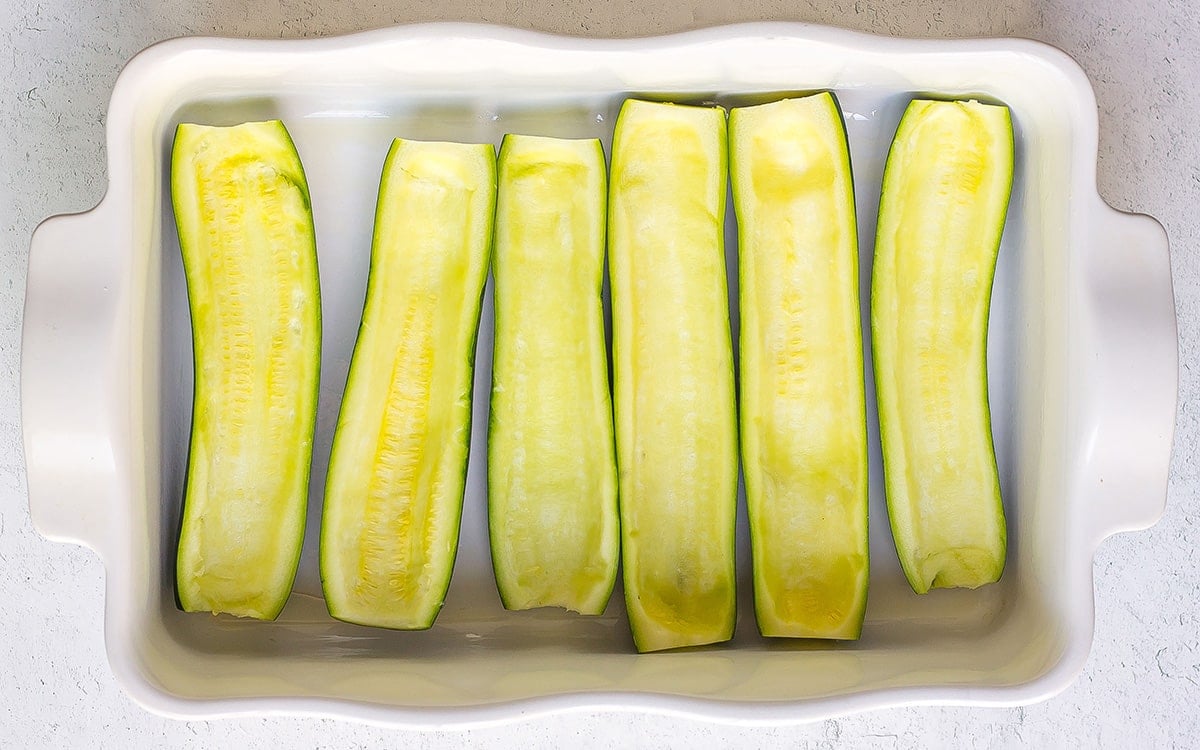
(946, 277)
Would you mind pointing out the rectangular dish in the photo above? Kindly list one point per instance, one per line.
(1082, 364)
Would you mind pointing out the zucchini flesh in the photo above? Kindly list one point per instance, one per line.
(673, 372)
(941, 215)
(394, 491)
(552, 496)
(245, 230)
(803, 414)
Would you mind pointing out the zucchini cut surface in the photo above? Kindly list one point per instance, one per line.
(394, 491)
(803, 414)
(245, 229)
(673, 374)
(552, 493)
(945, 194)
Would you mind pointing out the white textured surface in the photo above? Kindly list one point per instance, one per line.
(1143, 679)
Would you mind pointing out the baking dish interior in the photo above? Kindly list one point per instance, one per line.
(1006, 634)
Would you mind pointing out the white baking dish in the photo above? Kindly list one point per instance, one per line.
(1082, 359)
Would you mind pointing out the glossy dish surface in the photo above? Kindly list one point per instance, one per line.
(1082, 428)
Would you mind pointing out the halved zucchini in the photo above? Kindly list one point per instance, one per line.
(394, 493)
(245, 228)
(673, 372)
(945, 193)
(552, 485)
(803, 414)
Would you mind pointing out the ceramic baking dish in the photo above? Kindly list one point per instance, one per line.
(1082, 361)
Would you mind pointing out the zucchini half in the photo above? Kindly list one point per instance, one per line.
(803, 413)
(673, 370)
(945, 194)
(246, 231)
(394, 492)
(552, 484)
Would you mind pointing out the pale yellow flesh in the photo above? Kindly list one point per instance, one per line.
(944, 199)
(552, 493)
(803, 421)
(674, 396)
(241, 206)
(394, 492)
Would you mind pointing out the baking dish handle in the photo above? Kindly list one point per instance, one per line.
(67, 376)
(1131, 360)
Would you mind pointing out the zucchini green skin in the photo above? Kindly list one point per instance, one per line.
(945, 194)
(394, 490)
(802, 406)
(245, 226)
(552, 485)
(674, 403)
